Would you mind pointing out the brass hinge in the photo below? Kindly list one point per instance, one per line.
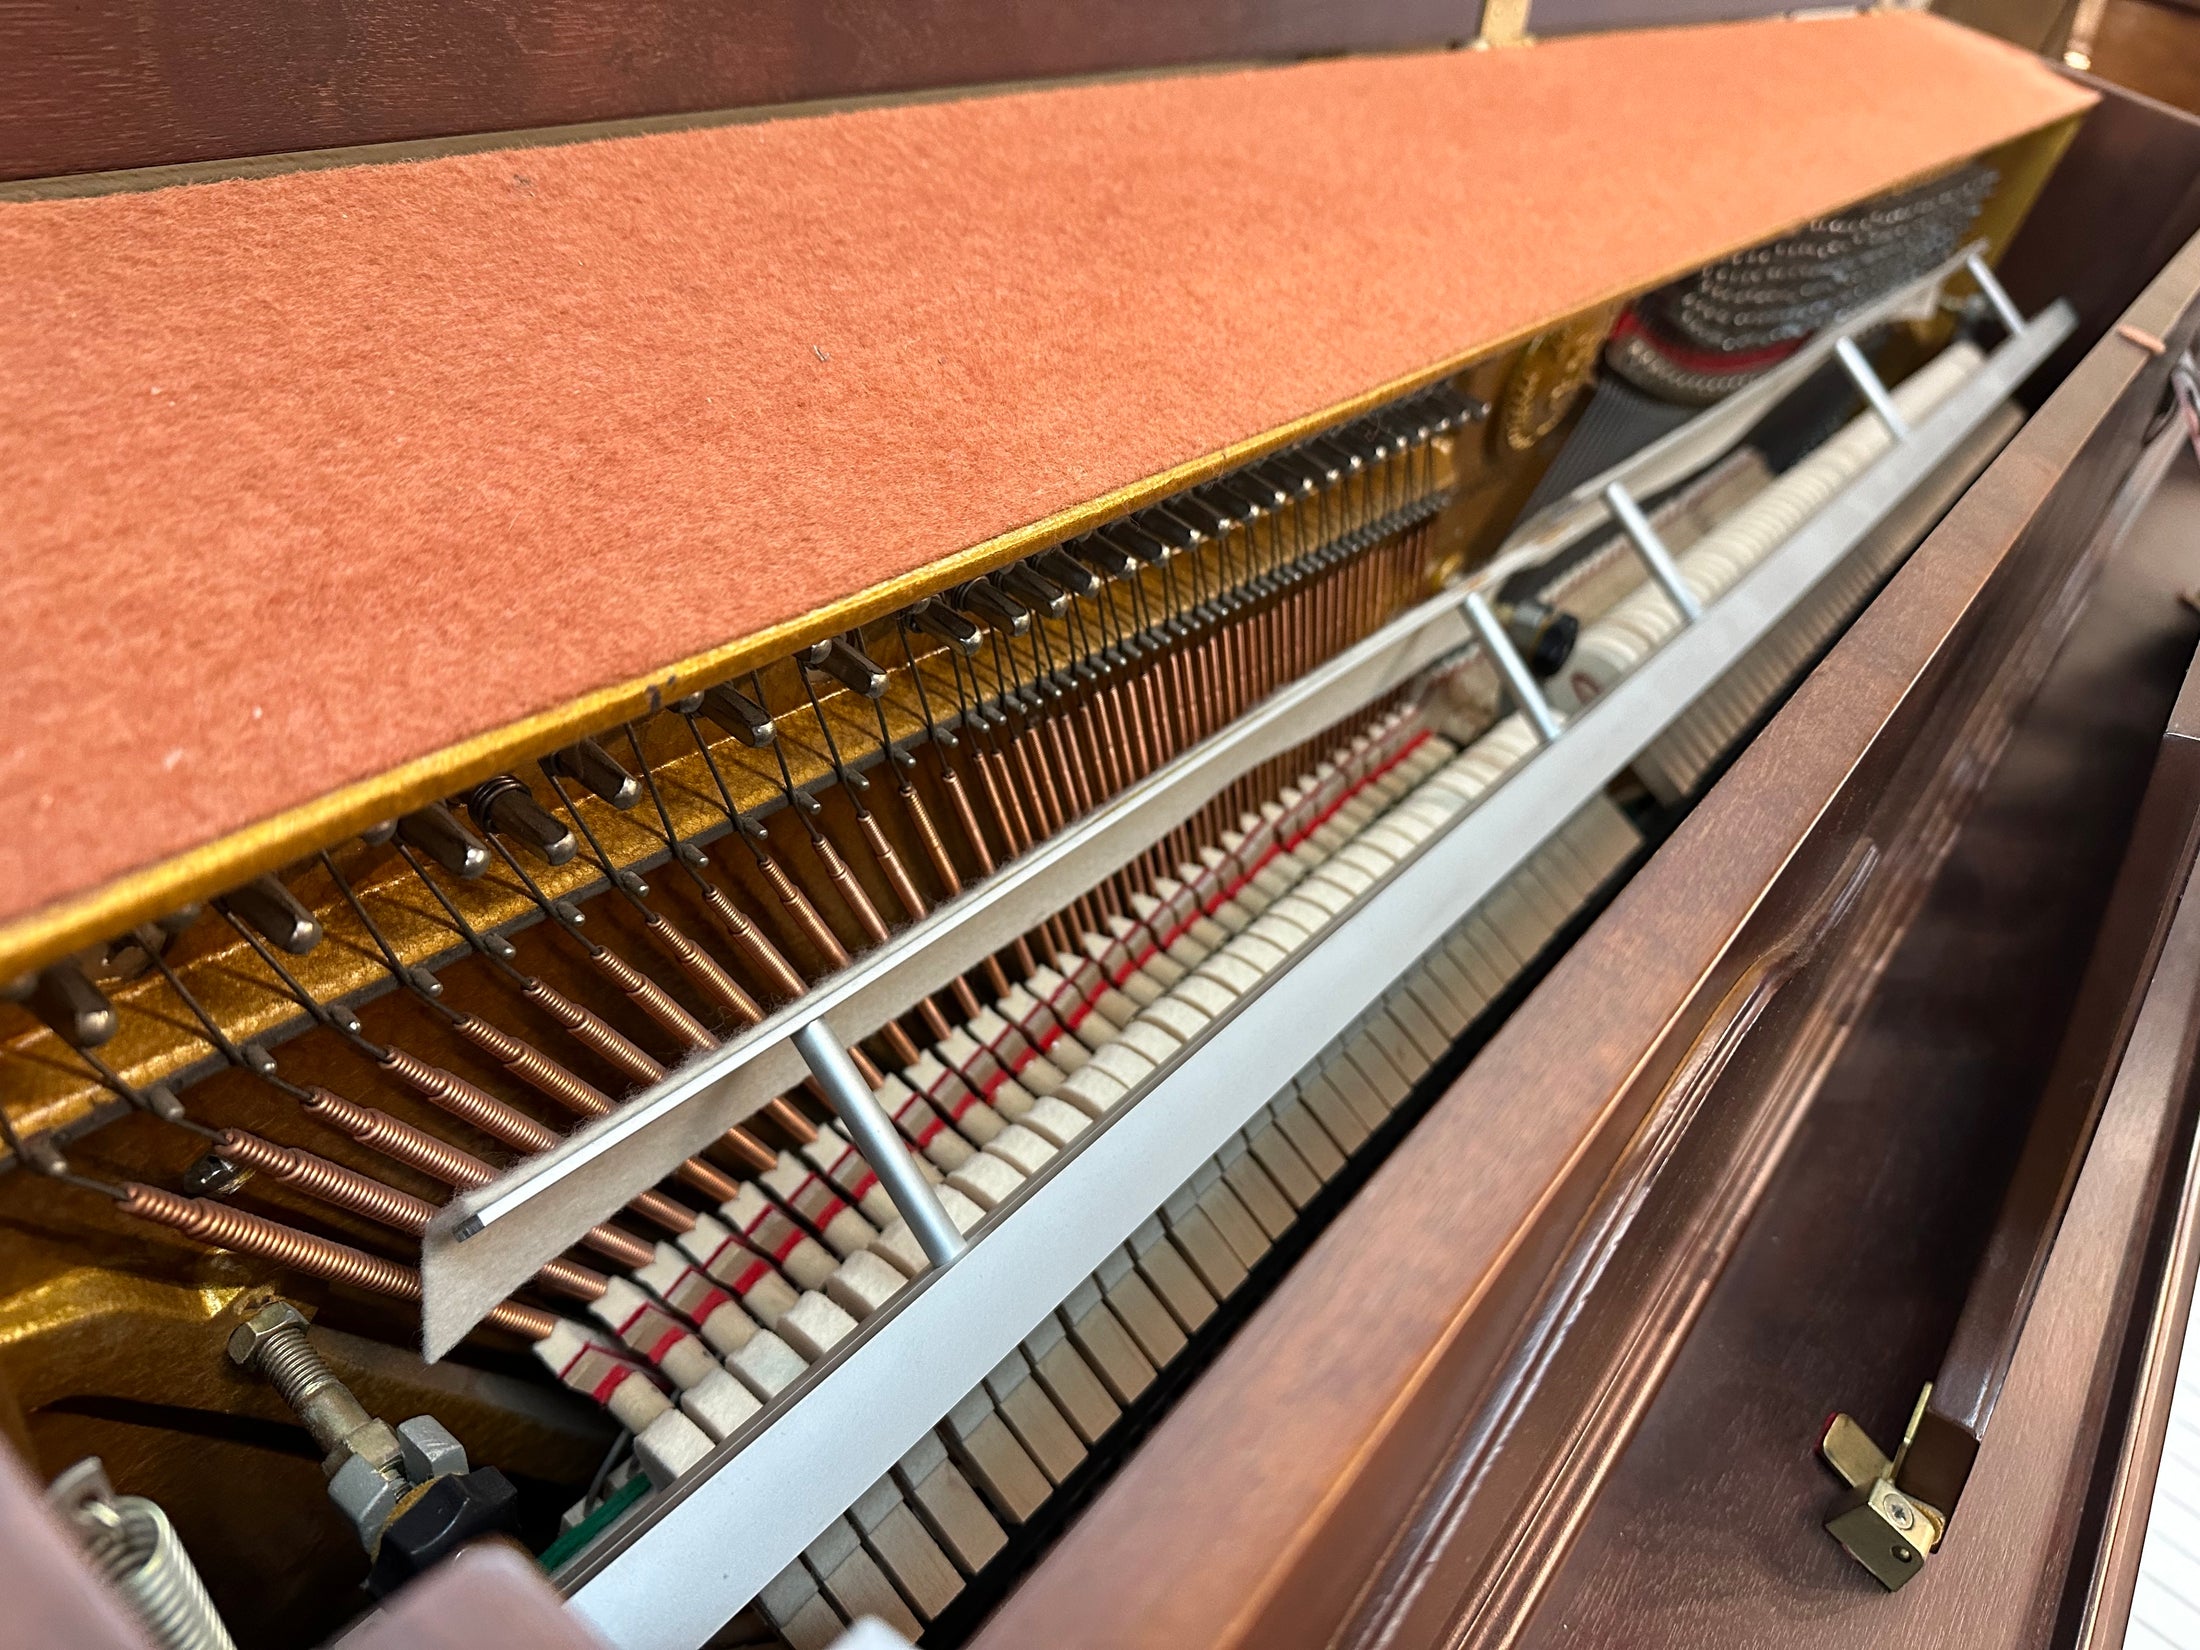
(1887, 1532)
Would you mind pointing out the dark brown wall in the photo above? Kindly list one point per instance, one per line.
(2154, 49)
(2125, 196)
(107, 85)
(1587, 16)
(96, 85)
(2036, 25)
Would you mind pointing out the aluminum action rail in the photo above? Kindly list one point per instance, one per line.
(672, 1574)
(1719, 428)
(491, 1241)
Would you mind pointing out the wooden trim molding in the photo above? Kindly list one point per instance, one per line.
(1264, 1510)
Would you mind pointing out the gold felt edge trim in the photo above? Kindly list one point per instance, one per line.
(67, 925)
(64, 926)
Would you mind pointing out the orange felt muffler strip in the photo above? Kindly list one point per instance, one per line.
(309, 476)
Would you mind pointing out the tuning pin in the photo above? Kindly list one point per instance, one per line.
(1290, 479)
(1068, 572)
(436, 832)
(981, 596)
(951, 627)
(1203, 513)
(508, 808)
(272, 909)
(589, 763)
(1243, 498)
(847, 667)
(1035, 590)
(163, 1102)
(1258, 489)
(76, 1009)
(1129, 536)
(1106, 557)
(739, 715)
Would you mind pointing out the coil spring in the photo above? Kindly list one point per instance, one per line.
(614, 1244)
(571, 1278)
(220, 1227)
(530, 1323)
(804, 913)
(330, 1182)
(593, 1033)
(137, 1550)
(534, 1068)
(652, 999)
(928, 834)
(467, 1103)
(851, 891)
(440, 1160)
(660, 1208)
(399, 1141)
(763, 956)
(703, 971)
(712, 1182)
(890, 866)
(334, 1183)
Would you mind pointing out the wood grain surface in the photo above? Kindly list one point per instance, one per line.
(2147, 634)
(2124, 198)
(2128, 1491)
(2153, 49)
(98, 85)
(1260, 1510)
(1848, 1290)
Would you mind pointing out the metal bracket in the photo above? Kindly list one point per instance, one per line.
(1651, 548)
(1519, 679)
(1995, 294)
(1887, 1532)
(873, 1132)
(1860, 372)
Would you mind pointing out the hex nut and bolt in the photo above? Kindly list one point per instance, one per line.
(373, 1468)
(272, 1343)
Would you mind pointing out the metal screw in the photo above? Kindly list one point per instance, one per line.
(272, 1343)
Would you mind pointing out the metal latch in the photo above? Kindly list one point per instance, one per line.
(1887, 1532)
